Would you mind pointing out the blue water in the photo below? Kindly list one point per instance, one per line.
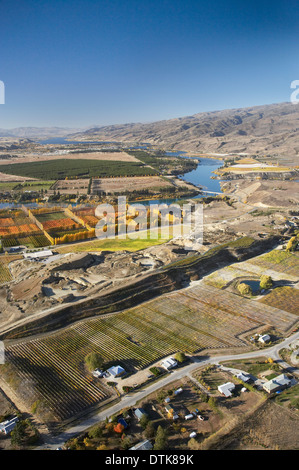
(62, 140)
(201, 176)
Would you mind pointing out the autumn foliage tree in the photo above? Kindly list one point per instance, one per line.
(119, 428)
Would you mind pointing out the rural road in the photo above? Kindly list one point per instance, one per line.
(130, 400)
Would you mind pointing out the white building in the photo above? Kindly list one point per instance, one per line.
(7, 426)
(227, 389)
(38, 254)
(169, 363)
(264, 338)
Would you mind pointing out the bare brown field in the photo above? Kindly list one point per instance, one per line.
(7, 178)
(272, 428)
(129, 184)
(109, 156)
(73, 186)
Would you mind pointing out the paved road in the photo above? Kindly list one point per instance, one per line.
(130, 400)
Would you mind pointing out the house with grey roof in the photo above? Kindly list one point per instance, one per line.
(278, 383)
(139, 413)
(116, 371)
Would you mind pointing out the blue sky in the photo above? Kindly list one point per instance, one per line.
(80, 63)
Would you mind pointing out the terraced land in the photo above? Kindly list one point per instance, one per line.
(198, 318)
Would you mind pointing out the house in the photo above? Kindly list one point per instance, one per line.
(171, 412)
(277, 384)
(169, 363)
(7, 426)
(226, 389)
(178, 391)
(116, 371)
(139, 413)
(143, 445)
(169, 409)
(123, 422)
(264, 339)
(244, 377)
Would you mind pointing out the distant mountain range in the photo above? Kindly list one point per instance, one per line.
(37, 132)
(268, 129)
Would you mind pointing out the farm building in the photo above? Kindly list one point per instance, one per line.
(7, 426)
(169, 363)
(226, 389)
(143, 445)
(116, 371)
(276, 384)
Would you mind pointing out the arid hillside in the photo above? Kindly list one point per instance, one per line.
(269, 129)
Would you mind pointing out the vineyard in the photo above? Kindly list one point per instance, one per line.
(77, 168)
(279, 260)
(197, 318)
(87, 215)
(283, 297)
(5, 275)
(16, 229)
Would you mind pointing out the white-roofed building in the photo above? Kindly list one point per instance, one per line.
(226, 389)
(169, 363)
(7, 426)
(116, 371)
(35, 255)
